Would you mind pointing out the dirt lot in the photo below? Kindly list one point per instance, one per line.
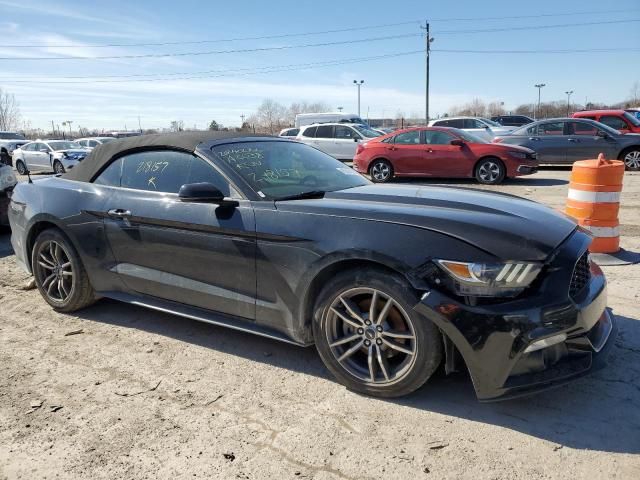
(146, 395)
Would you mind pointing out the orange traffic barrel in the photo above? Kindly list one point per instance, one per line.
(594, 201)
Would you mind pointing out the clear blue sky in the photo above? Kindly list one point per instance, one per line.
(391, 85)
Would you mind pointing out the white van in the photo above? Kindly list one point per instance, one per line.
(303, 119)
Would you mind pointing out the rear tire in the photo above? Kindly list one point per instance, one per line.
(381, 171)
(490, 171)
(21, 167)
(59, 273)
(58, 168)
(385, 351)
(631, 159)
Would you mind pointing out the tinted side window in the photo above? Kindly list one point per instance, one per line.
(555, 128)
(310, 132)
(324, 131)
(442, 123)
(345, 132)
(434, 137)
(408, 138)
(472, 123)
(92, 143)
(111, 175)
(614, 122)
(579, 128)
(455, 123)
(201, 171)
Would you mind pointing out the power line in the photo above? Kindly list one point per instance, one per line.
(321, 32)
(222, 40)
(218, 52)
(134, 78)
(218, 73)
(535, 27)
(540, 15)
(585, 50)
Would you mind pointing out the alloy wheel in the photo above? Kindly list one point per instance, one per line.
(371, 336)
(22, 169)
(632, 159)
(380, 171)
(58, 167)
(489, 171)
(55, 271)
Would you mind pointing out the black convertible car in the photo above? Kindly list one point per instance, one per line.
(273, 237)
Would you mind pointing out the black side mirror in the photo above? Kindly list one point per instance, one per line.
(203, 192)
(457, 142)
(602, 133)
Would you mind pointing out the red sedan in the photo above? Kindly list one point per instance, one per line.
(441, 152)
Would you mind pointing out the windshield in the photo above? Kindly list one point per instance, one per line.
(634, 121)
(468, 137)
(366, 131)
(62, 145)
(281, 169)
(11, 136)
(491, 122)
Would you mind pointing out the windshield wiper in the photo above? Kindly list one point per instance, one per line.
(303, 195)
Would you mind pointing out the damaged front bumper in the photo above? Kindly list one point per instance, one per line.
(527, 345)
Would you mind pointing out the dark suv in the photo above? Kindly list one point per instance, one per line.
(512, 120)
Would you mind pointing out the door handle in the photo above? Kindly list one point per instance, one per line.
(574, 140)
(119, 213)
(534, 139)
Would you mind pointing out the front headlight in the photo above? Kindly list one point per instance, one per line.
(523, 155)
(490, 279)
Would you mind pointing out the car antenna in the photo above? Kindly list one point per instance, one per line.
(29, 176)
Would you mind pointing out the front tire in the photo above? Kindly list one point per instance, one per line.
(369, 337)
(59, 274)
(381, 171)
(631, 159)
(490, 171)
(58, 168)
(21, 167)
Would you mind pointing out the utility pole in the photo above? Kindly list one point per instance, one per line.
(53, 129)
(340, 109)
(242, 118)
(358, 84)
(139, 124)
(428, 40)
(568, 101)
(539, 86)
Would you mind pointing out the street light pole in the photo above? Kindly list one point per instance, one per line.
(568, 101)
(358, 84)
(428, 40)
(539, 86)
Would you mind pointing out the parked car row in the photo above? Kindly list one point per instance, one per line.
(566, 140)
(442, 152)
(480, 127)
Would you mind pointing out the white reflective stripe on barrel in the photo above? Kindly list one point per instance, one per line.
(594, 197)
(603, 231)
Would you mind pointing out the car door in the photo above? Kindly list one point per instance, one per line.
(406, 153)
(549, 141)
(442, 159)
(40, 156)
(587, 141)
(324, 140)
(198, 254)
(346, 141)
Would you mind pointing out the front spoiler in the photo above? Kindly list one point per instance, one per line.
(492, 339)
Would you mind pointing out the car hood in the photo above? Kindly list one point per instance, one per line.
(506, 226)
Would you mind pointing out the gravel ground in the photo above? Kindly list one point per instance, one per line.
(121, 392)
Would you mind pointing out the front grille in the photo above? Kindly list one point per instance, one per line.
(581, 275)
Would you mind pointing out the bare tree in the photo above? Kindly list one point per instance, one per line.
(270, 117)
(634, 95)
(177, 126)
(9, 111)
(304, 107)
